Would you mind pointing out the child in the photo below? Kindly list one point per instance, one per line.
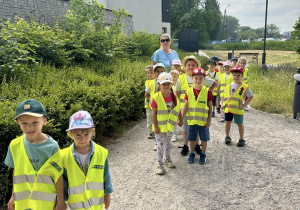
(233, 104)
(150, 76)
(225, 79)
(185, 82)
(175, 76)
(165, 112)
(211, 73)
(242, 62)
(234, 62)
(87, 176)
(218, 93)
(35, 158)
(152, 87)
(176, 65)
(198, 109)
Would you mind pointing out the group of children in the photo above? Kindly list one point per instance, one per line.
(45, 177)
(189, 97)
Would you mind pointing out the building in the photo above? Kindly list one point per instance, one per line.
(150, 15)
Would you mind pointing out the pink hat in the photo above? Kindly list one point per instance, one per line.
(227, 63)
(176, 62)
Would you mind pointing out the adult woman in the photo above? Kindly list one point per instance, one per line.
(164, 55)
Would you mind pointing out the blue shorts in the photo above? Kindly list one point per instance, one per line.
(194, 129)
(238, 119)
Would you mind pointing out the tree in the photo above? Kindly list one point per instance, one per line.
(296, 33)
(273, 31)
(232, 26)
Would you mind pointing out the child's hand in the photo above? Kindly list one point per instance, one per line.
(106, 201)
(207, 124)
(180, 123)
(222, 107)
(11, 203)
(156, 130)
(242, 105)
(61, 206)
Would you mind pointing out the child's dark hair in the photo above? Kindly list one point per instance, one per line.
(174, 98)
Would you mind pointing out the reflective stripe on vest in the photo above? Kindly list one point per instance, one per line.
(87, 190)
(232, 103)
(51, 197)
(184, 85)
(165, 120)
(87, 204)
(197, 112)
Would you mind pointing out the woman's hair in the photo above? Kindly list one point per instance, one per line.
(167, 35)
(72, 133)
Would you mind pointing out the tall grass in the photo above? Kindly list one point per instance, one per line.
(273, 88)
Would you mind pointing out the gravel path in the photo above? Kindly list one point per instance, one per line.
(262, 175)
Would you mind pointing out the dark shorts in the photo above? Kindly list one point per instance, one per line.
(214, 103)
(194, 129)
(238, 119)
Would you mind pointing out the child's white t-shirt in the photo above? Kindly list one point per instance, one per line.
(212, 75)
(84, 160)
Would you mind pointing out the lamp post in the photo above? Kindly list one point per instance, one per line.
(265, 36)
(225, 23)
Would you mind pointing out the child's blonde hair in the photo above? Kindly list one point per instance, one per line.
(174, 72)
(149, 68)
(72, 133)
(242, 59)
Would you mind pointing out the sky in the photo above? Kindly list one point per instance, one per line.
(283, 13)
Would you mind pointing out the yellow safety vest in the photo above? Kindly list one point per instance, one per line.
(224, 83)
(152, 90)
(85, 191)
(147, 101)
(184, 85)
(216, 74)
(245, 76)
(34, 189)
(197, 113)
(232, 103)
(165, 120)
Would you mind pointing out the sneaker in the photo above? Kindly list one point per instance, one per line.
(246, 108)
(169, 164)
(222, 119)
(213, 114)
(185, 150)
(155, 147)
(150, 135)
(219, 110)
(198, 149)
(174, 138)
(160, 170)
(202, 159)
(241, 143)
(227, 140)
(191, 158)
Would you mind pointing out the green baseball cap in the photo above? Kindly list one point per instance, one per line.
(30, 107)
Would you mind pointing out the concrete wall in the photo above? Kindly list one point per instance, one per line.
(146, 14)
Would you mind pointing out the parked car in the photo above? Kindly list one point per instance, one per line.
(175, 42)
(232, 40)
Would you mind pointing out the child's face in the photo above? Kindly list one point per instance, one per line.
(176, 67)
(242, 63)
(175, 78)
(190, 65)
(233, 63)
(165, 87)
(227, 69)
(198, 79)
(82, 137)
(211, 66)
(237, 77)
(32, 126)
(150, 74)
(158, 71)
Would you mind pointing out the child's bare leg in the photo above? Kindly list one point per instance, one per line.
(241, 130)
(185, 141)
(204, 146)
(227, 127)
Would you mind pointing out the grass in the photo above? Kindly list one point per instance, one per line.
(273, 88)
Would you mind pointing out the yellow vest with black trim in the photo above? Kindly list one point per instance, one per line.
(224, 83)
(85, 191)
(184, 85)
(34, 189)
(165, 120)
(197, 113)
(245, 76)
(151, 85)
(216, 74)
(147, 101)
(232, 103)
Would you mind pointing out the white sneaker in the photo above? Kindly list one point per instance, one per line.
(246, 108)
(174, 138)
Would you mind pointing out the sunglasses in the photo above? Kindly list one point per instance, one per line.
(165, 40)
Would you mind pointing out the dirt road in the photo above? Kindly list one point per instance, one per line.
(265, 174)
